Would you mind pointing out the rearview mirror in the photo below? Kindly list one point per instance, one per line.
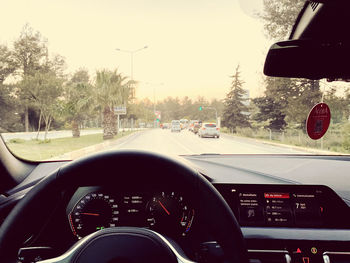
(309, 59)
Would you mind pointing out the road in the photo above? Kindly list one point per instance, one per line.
(186, 143)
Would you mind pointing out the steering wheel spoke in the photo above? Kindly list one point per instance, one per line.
(150, 246)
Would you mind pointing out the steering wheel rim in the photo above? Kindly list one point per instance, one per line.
(28, 214)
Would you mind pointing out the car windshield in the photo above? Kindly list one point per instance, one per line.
(79, 77)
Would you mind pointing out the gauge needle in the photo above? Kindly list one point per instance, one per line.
(166, 211)
(90, 214)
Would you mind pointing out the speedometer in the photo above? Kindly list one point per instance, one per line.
(169, 213)
(95, 211)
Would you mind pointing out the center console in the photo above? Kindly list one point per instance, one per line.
(290, 223)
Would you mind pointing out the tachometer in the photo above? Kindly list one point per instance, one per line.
(95, 211)
(168, 213)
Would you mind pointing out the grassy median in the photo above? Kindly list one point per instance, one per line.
(37, 150)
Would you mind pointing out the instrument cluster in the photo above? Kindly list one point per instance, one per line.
(167, 212)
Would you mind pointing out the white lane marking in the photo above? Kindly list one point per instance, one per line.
(180, 144)
(128, 140)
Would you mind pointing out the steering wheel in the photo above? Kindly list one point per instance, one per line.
(123, 244)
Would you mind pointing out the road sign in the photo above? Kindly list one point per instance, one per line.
(120, 110)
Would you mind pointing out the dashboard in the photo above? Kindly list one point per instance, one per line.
(281, 220)
(169, 212)
(268, 207)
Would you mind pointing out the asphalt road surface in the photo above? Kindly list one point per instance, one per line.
(187, 143)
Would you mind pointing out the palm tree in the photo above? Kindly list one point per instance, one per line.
(112, 90)
(78, 100)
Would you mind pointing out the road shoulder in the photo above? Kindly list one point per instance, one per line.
(287, 146)
(94, 148)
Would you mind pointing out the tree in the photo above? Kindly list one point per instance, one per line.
(9, 117)
(186, 107)
(306, 95)
(235, 111)
(170, 108)
(280, 90)
(204, 114)
(78, 100)
(30, 51)
(339, 105)
(292, 98)
(44, 90)
(7, 63)
(140, 110)
(57, 64)
(111, 89)
(218, 105)
(287, 101)
(272, 106)
(29, 54)
(279, 17)
(270, 110)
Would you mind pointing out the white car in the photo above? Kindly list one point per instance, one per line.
(209, 130)
(175, 126)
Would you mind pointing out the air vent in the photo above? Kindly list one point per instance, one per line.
(313, 5)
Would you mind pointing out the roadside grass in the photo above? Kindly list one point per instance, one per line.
(37, 150)
(334, 139)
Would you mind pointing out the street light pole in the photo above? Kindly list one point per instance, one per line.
(132, 66)
(131, 52)
(154, 98)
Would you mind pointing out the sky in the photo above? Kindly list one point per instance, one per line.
(193, 46)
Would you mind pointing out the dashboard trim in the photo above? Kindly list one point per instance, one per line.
(326, 255)
(267, 251)
(296, 234)
(272, 251)
(336, 253)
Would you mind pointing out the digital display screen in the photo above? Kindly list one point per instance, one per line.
(286, 205)
(133, 210)
(276, 208)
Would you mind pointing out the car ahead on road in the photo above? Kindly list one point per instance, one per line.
(175, 126)
(184, 124)
(132, 205)
(196, 127)
(209, 130)
(191, 125)
(165, 126)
